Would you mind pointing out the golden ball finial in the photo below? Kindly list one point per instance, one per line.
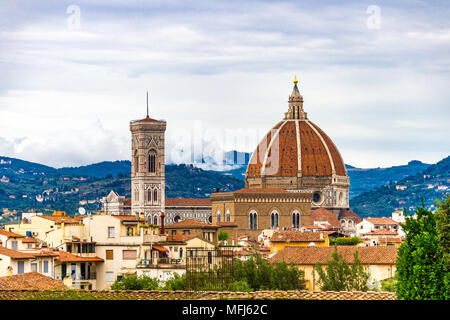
(295, 79)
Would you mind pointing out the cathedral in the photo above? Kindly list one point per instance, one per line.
(295, 169)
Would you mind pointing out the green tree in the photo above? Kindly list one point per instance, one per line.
(176, 283)
(223, 236)
(346, 241)
(420, 263)
(262, 275)
(338, 275)
(443, 230)
(133, 282)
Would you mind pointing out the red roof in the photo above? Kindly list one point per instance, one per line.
(159, 248)
(127, 218)
(69, 257)
(10, 234)
(381, 232)
(349, 214)
(15, 254)
(188, 202)
(30, 281)
(61, 219)
(313, 255)
(297, 236)
(382, 221)
(323, 214)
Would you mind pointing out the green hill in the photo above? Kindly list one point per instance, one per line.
(431, 184)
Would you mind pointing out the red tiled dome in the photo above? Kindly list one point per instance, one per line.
(293, 145)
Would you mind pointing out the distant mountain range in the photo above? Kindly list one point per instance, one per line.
(25, 185)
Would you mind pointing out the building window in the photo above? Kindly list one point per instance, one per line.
(152, 162)
(20, 267)
(14, 245)
(129, 254)
(109, 276)
(218, 216)
(34, 267)
(111, 232)
(155, 195)
(149, 196)
(155, 220)
(174, 232)
(274, 220)
(136, 162)
(186, 232)
(109, 254)
(296, 220)
(253, 220)
(45, 266)
(227, 216)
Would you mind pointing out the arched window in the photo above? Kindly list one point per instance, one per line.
(227, 216)
(296, 220)
(274, 220)
(253, 220)
(152, 161)
(136, 162)
(155, 195)
(149, 196)
(155, 219)
(218, 216)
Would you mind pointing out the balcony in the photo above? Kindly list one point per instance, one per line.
(160, 262)
(78, 277)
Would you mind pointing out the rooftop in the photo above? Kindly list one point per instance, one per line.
(10, 234)
(30, 281)
(297, 236)
(60, 219)
(188, 202)
(69, 257)
(381, 221)
(313, 255)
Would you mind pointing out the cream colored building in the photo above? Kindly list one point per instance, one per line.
(379, 262)
(50, 230)
(16, 262)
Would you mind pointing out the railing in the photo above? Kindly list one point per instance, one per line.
(78, 277)
(149, 262)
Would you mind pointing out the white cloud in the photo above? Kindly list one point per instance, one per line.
(228, 65)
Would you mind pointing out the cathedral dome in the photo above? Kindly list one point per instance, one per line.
(297, 155)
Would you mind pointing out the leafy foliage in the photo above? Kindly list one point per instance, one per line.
(133, 282)
(346, 241)
(223, 236)
(177, 282)
(339, 276)
(261, 275)
(421, 267)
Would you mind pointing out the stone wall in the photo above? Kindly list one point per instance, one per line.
(191, 295)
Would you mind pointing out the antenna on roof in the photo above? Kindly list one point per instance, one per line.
(147, 104)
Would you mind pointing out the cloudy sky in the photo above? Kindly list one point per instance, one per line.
(374, 76)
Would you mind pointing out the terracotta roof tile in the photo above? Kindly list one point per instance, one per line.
(323, 214)
(15, 254)
(127, 218)
(313, 255)
(349, 214)
(381, 221)
(381, 232)
(10, 234)
(60, 219)
(64, 256)
(297, 236)
(30, 281)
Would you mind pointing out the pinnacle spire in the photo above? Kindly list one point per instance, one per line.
(295, 104)
(147, 105)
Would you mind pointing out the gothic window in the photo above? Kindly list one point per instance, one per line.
(152, 162)
(136, 162)
(155, 220)
(149, 196)
(155, 195)
(253, 220)
(296, 220)
(274, 220)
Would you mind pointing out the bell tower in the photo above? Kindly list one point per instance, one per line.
(147, 167)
